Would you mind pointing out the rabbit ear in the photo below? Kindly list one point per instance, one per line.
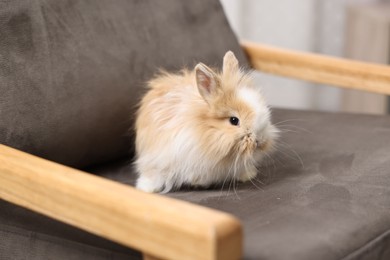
(230, 63)
(206, 81)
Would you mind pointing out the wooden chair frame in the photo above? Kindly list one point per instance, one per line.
(158, 226)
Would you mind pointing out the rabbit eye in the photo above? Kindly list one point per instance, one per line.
(234, 120)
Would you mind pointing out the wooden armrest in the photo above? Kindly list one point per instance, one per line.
(156, 225)
(319, 68)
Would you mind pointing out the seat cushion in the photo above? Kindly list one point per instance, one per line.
(28, 235)
(323, 194)
(72, 72)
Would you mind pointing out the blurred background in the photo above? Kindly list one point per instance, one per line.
(355, 29)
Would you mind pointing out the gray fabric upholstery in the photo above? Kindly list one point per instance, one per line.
(28, 235)
(324, 194)
(71, 71)
(22, 244)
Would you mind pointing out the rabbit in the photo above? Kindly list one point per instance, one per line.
(201, 127)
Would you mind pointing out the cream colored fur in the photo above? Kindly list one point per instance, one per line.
(184, 134)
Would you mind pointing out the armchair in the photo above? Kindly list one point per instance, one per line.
(73, 73)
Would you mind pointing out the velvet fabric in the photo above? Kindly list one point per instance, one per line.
(72, 72)
(31, 236)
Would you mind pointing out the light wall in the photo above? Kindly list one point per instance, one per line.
(305, 25)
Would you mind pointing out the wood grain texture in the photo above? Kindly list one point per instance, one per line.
(159, 226)
(319, 68)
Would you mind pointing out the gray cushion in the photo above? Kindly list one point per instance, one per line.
(28, 235)
(22, 244)
(324, 194)
(71, 71)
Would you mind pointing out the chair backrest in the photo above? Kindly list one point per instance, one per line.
(71, 72)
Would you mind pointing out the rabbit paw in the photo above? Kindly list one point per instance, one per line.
(150, 184)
